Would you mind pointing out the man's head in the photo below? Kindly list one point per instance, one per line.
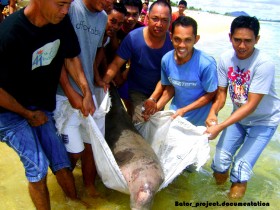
(182, 6)
(41, 12)
(244, 34)
(184, 37)
(159, 17)
(133, 8)
(115, 19)
(142, 17)
(145, 6)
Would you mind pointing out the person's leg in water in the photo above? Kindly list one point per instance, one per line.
(39, 194)
(225, 150)
(77, 143)
(57, 155)
(89, 170)
(257, 137)
(20, 136)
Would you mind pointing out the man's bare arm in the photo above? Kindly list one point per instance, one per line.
(74, 67)
(35, 118)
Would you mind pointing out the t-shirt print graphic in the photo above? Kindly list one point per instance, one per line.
(239, 85)
(44, 55)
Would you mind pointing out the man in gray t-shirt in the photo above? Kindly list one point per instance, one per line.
(248, 75)
(89, 20)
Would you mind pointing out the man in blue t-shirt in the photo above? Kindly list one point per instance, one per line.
(187, 74)
(144, 47)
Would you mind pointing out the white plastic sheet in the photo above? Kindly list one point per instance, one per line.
(105, 162)
(177, 143)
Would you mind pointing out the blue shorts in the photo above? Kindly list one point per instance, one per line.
(37, 147)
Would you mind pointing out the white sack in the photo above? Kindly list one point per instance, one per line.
(177, 143)
(105, 162)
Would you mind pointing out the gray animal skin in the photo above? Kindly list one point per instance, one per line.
(135, 157)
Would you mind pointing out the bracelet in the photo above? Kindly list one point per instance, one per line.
(154, 100)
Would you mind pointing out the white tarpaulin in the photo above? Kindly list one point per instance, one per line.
(177, 143)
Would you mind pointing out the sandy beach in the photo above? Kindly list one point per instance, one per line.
(210, 24)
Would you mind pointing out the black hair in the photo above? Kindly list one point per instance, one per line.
(119, 7)
(183, 2)
(185, 21)
(242, 21)
(135, 3)
(163, 3)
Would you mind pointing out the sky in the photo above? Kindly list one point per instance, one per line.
(263, 9)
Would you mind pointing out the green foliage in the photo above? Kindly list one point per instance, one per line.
(193, 8)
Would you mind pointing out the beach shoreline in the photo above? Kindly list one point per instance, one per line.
(209, 23)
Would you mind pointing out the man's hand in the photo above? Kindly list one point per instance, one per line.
(76, 100)
(179, 112)
(149, 108)
(37, 118)
(213, 131)
(88, 106)
(106, 86)
(211, 120)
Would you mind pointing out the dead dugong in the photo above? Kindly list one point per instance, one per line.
(135, 157)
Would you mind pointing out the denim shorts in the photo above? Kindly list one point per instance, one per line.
(248, 142)
(37, 147)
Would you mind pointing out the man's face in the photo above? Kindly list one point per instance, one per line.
(53, 11)
(145, 6)
(159, 20)
(142, 17)
(115, 21)
(243, 42)
(181, 8)
(183, 40)
(131, 18)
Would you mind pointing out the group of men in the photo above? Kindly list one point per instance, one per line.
(61, 46)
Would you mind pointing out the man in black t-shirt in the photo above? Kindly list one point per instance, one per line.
(35, 43)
